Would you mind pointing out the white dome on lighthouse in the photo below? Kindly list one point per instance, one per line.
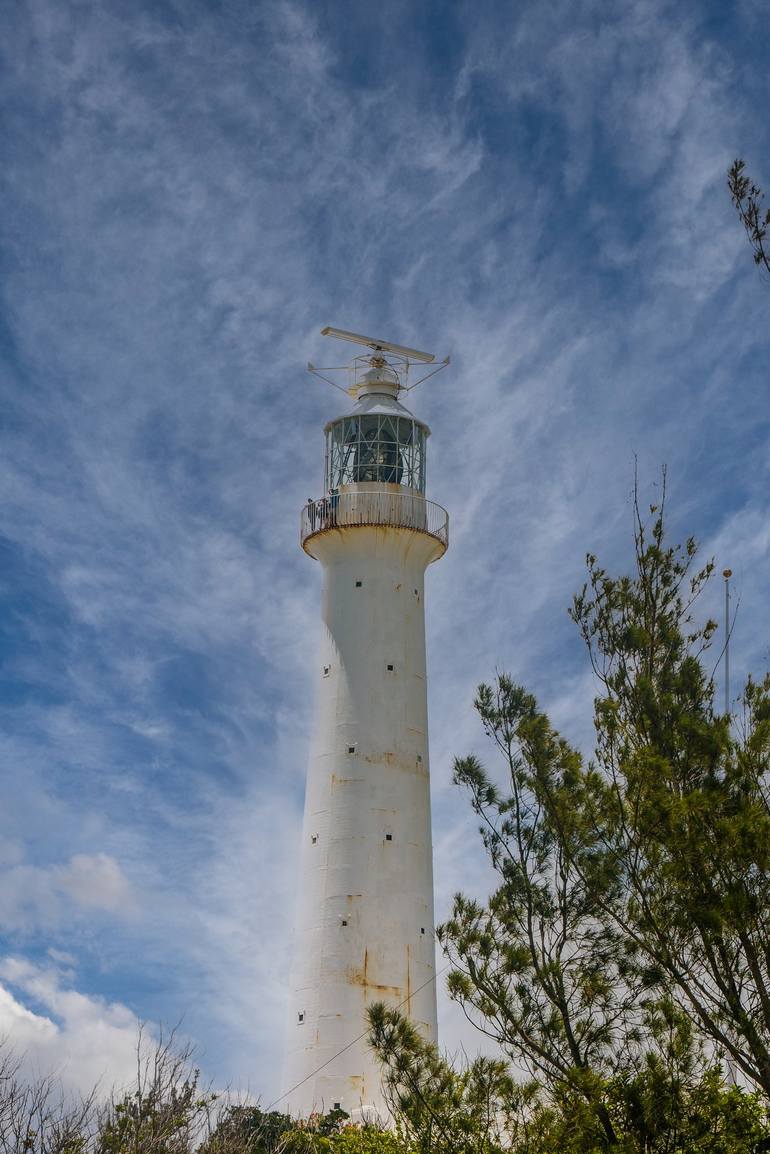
(380, 378)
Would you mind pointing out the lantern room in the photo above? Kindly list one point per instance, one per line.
(379, 442)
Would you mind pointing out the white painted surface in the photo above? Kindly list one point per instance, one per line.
(366, 852)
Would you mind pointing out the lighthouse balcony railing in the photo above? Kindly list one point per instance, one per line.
(387, 507)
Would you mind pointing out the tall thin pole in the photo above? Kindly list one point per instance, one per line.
(727, 574)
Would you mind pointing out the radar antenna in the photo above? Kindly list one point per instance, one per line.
(399, 358)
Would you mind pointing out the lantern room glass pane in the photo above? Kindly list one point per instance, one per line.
(375, 448)
(388, 430)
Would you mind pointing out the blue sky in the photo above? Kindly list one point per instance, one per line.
(189, 192)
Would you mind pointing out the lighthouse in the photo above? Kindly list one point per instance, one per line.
(364, 931)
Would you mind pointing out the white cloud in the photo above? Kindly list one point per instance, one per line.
(21, 1026)
(95, 881)
(85, 1041)
(35, 896)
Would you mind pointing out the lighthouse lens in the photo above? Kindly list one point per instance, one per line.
(375, 448)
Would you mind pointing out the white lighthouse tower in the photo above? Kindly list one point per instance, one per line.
(364, 928)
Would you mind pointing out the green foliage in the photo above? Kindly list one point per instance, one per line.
(747, 198)
(153, 1122)
(439, 1110)
(248, 1130)
(668, 1103)
(346, 1140)
(682, 819)
(653, 1114)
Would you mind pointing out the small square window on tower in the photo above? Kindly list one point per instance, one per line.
(344, 921)
(300, 1017)
(327, 668)
(359, 584)
(337, 1106)
(351, 749)
(390, 668)
(422, 929)
(314, 838)
(388, 837)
